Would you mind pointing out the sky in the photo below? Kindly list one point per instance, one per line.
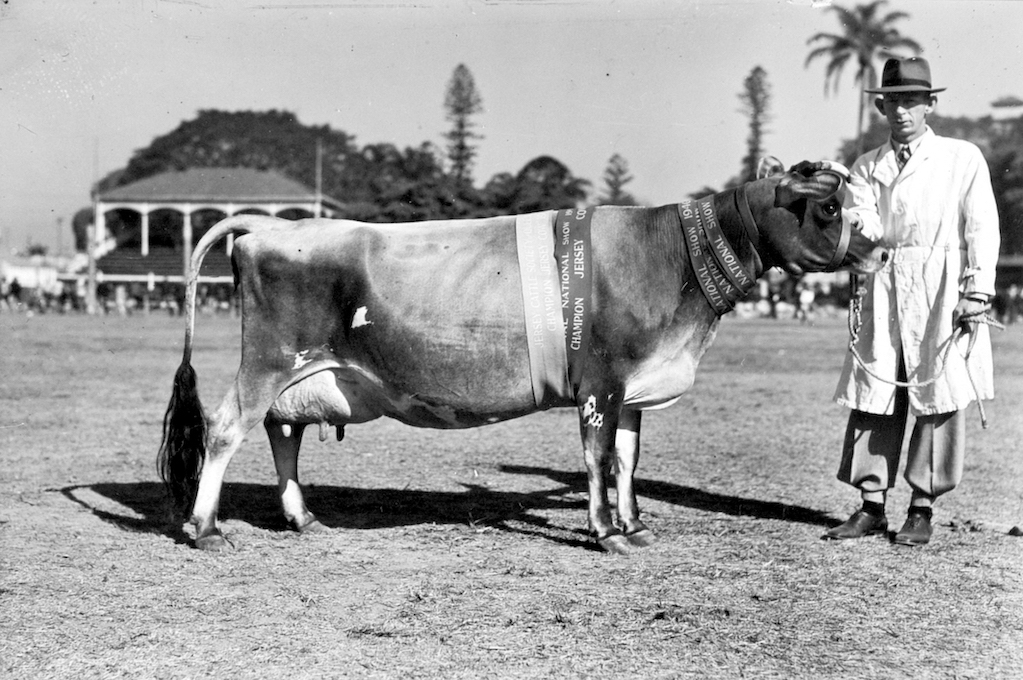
(85, 84)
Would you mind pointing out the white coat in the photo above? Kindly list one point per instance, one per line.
(939, 219)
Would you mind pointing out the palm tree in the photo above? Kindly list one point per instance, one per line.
(867, 36)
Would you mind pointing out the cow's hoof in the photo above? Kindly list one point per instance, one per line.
(313, 526)
(616, 544)
(643, 538)
(214, 542)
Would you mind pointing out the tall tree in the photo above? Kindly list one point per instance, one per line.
(867, 35)
(755, 98)
(616, 176)
(462, 102)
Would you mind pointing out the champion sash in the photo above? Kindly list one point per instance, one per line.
(572, 251)
(557, 285)
(722, 277)
(541, 298)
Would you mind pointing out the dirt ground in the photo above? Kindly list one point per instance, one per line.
(465, 555)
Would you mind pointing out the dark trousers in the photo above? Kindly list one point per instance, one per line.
(873, 448)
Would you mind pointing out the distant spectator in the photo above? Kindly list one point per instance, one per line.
(1013, 303)
(13, 296)
(804, 309)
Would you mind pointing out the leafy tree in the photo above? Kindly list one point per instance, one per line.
(245, 139)
(616, 176)
(499, 194)
(755, 98)
(543, 183)
(867, 35)
(462, 101)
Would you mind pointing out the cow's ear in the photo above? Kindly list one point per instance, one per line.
(817, 187)
(769, 166)
(784, 194)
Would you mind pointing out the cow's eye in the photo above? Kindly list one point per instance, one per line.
(831, 209)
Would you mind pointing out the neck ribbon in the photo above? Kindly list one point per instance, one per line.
(722, 277)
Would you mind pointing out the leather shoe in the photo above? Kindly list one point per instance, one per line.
(859, 525)
(916, 531)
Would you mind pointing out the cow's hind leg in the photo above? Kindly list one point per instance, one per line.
(285, 441)
(226, 431)
(598, 416)
(627, 460)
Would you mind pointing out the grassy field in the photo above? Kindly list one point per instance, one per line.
(465, 555)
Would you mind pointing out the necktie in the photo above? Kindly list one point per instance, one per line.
(903, 156)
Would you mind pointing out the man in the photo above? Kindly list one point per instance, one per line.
(929, 199)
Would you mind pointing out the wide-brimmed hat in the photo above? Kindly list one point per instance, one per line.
(906, 75)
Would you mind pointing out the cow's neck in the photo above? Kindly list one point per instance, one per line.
(740, 228)
(723, 274)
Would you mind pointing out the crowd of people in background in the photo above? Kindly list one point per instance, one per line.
(127, 300)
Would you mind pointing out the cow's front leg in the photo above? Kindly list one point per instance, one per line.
(598, 419)
(627, 460)
(285, 441)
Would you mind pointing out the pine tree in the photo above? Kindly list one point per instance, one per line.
(462, 102)
(616, 176)
(755, 98)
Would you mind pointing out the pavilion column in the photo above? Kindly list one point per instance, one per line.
(145, 230)
(186, 239)
(94, 234)
(100, 219)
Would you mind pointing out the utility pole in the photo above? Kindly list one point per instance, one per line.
(319, 178)
(90, 237)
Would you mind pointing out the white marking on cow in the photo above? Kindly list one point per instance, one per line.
(590, 415)
(300, 359)
(360, 318)
(286, 430)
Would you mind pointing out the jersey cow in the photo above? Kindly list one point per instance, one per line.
(344, 322)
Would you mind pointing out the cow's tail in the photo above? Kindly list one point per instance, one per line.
(183, 449)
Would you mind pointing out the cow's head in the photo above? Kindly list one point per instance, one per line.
(801, 222)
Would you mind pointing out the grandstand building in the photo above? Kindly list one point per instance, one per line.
(145, 231)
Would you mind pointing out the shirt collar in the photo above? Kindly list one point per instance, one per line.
(913, 146)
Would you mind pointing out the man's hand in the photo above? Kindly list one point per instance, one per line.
(969, 310)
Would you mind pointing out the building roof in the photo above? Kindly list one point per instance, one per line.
(1009, 101)
(215, 185)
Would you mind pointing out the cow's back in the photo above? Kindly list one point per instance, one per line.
(425, 320)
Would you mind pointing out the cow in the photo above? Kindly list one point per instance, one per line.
(344, 322)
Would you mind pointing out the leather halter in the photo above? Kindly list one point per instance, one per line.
(746, 216)
(842, 248)
(749, 225)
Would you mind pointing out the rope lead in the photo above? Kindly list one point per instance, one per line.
(855, 321)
